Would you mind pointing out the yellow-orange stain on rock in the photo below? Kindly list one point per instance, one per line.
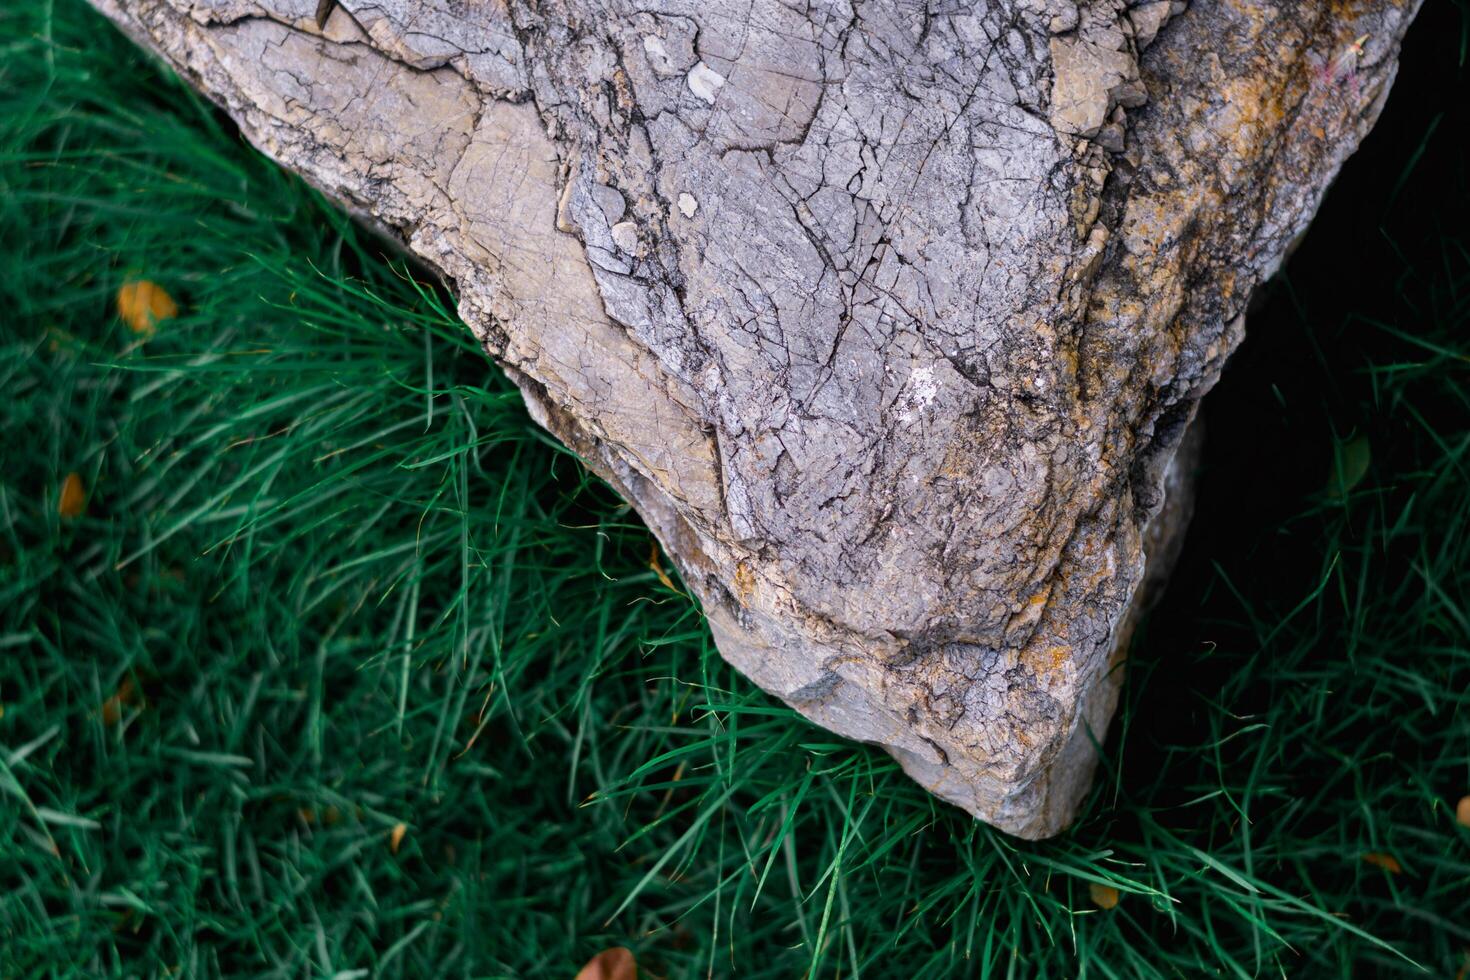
(1253, 116)
(744, 582)
(1060, 656)
(1048, 660)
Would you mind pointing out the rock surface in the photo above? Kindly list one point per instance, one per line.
(889, 316)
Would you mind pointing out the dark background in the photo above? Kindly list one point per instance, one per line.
(1378, 259)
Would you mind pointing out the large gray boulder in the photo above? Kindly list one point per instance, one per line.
(889, 316)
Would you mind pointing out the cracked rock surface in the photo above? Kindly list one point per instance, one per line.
(889, 316)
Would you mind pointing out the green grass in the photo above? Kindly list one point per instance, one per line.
(350, 585)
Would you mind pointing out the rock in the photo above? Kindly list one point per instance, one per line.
(1147, 19)
(1088, 79)
(890, 353)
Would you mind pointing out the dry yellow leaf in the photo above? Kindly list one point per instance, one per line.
(1103, 896)
(142, 304)
(658, 568)
(1462, 811)
(616, 963)
(73, 497)
(1384, 861)
(395, 836)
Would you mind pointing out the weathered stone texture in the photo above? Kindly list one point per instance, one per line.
(888, 315)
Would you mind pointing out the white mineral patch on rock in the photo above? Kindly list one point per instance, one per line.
(705, 82)
(625, 234)
(658, 55)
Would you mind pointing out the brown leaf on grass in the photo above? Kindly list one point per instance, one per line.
(1385, 861)
(73, 498)
(1462, 811)
(142, 304)
(112, 708)
(395, 836)
(1103, 896)
(616, 963)
(329, 816)
(658, 568)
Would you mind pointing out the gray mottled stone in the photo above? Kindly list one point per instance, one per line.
(889, 316)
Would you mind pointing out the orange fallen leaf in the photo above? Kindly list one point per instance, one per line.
(616, 963)
(395, 836)
(1384, 861)
(112, 708)
(142, 304)
(1462, 811)
(73, 497)
(1103, 896)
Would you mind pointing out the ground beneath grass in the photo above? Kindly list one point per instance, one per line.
(327, 662)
